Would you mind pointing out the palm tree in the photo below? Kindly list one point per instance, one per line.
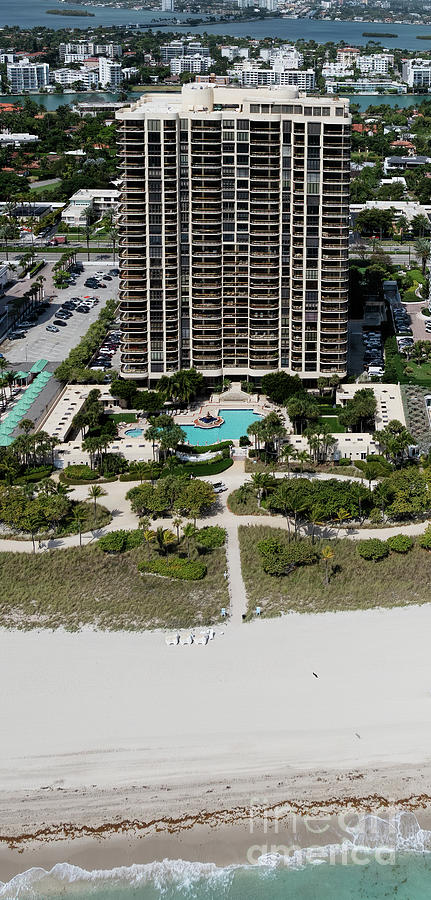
(189, 533)
(315, 520)
(149, 537)
(327, 555)
(423, 249)
(165, 539)
(78, 519)
(10, 380)
(302, 457)
(26, 425)
(141, 470)
(254, 431)
(342, 516)
(152, 434)
(94, 493)
(243, 493)
(289, 453)
(261, 481)
(177, 522)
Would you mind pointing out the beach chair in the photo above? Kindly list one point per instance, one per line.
(202, 639)
(172, 639)
(186, 639)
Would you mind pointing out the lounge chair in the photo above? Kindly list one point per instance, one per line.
(186, 639)
(172, 639)
(202, 639)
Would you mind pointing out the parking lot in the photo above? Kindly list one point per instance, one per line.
(417, 320)
(39, 343)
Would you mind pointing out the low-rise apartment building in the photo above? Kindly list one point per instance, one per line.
(98, 202)
(27, 76)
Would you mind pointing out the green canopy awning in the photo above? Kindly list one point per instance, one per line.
(38, 366)
(20, 376)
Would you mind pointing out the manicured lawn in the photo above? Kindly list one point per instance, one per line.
(85, 587)
(123, 417)
(333, 423)
(421, 373)
(398, 580)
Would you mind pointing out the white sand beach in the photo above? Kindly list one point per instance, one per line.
(106, 728)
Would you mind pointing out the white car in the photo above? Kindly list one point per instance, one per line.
(219, 487)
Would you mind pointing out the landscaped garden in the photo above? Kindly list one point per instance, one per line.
(329, 576)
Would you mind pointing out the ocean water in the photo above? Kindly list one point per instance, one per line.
(379, 858)
(408, 878)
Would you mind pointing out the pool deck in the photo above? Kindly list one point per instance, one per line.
(212, 407)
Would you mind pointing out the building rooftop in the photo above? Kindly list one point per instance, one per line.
(201, 97)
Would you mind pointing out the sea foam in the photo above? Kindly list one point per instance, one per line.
(397, 832)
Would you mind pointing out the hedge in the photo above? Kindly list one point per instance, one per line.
(211, 448)
(34, 475)
(185, 569)
(80, 472)
(120, 541)
(204, 468)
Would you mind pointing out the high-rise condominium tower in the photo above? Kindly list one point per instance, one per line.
(234, 233)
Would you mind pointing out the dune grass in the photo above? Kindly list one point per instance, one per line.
(398, 580)
(85, 587)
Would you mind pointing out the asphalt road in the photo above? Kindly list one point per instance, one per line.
(54, 347)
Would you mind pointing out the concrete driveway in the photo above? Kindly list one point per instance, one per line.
(418, 320)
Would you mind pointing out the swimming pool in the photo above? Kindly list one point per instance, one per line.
(134, 432)
(236, 422)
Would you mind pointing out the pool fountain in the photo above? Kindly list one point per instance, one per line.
(208, 421)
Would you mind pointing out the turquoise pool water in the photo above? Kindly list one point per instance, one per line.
(134, 432)
(236, 422)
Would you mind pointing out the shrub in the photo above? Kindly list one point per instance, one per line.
(34, 475)
(211, 536)
(373, 548)
(113, 464)
(244, 441)
(400, 543)
(114, 542)
(185, 569)
(210, 448)
(204, 468)
(425, 539)
(376, 515)
(120, 541)
(80, 472)
(281, 559)
(344, 461)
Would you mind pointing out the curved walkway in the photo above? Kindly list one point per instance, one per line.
(123, 517)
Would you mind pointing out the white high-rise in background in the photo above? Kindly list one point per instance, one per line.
(168, 5)
(110, 74)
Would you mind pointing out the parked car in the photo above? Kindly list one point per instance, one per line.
(219, 487)
(60, 322)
